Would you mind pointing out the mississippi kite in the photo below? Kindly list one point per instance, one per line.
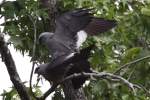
(76, 64)
(72, 29)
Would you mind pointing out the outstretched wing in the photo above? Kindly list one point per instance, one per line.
(72, 23)
(99, 25)
(74, 20)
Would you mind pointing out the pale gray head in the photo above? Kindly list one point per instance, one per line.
(40, 70)
(45, 36)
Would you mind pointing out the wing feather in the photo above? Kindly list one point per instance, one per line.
(99, 25)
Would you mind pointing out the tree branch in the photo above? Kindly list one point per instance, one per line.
(33, 54)
(101, 75)
(130, 63)
(104, 75)
(11, 68)
(46, 94)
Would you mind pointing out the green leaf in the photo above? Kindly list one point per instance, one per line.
(131, 54)
(16, 41)
(145, 11)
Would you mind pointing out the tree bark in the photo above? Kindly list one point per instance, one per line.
(52, 10)
(11, 68)
(71, 93)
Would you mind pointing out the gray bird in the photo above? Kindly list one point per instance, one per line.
(55, 71)
(72, 29)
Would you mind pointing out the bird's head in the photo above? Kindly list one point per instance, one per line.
(44, 37)
(41, 69)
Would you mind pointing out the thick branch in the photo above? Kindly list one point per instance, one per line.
(104, 75)
(46, 94)
(11, 68)
(100, 75)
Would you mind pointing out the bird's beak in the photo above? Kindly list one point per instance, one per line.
(39, 41)
(36, 70)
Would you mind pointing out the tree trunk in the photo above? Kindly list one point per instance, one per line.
(71, 93)
(52, 9)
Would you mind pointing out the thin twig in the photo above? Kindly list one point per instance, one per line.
(145, 90)
(1, 16)
(130, 63)
(132, 71)
(33, 54)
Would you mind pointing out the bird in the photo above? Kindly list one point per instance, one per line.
(72, 29)
(67, 68)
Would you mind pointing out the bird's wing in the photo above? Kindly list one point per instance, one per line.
(68, 24)
(99, 25)
(71, 23)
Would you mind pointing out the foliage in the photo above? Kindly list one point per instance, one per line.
(12, 93)
(129, 41)
(20, 17)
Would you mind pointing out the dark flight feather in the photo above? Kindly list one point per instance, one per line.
(99, 25)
